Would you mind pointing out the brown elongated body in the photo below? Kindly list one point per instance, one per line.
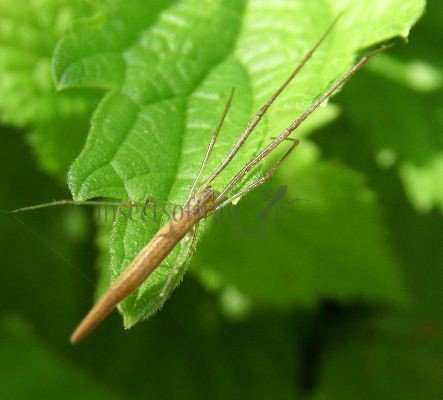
(148, 259)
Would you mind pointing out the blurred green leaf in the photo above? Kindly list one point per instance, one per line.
(167, 67)
(56, 142)
(29, 30)
(404, 126)
(404, 129)
(418, 75)
(324, 238)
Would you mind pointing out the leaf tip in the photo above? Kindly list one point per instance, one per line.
(128, 321)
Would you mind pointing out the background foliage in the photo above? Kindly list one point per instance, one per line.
(337, 295)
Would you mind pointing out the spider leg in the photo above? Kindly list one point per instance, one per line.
(260, 181)
(211, 143)
(257, 118)
(56, 203)
(297, 122)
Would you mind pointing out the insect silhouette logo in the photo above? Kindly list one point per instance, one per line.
(276, 203)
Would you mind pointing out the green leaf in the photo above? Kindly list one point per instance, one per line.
(169, 68)
(314, 232)
(29, 370)
(58, 122)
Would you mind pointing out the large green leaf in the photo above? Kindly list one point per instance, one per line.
(169, 68)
